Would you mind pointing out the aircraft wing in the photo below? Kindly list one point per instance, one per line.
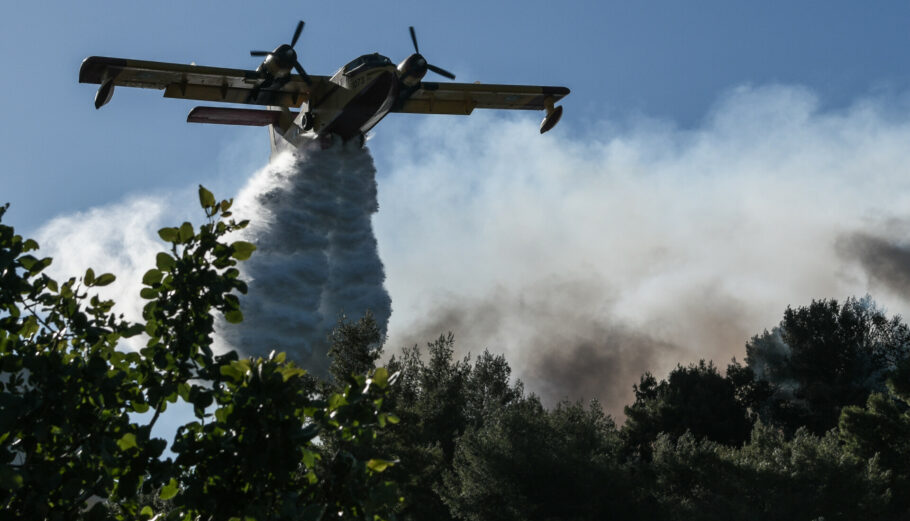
(463, 98)
(196, 82)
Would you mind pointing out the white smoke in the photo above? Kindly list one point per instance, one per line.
(120, 238)
(317, 259)
(589, 260)
(585, 256)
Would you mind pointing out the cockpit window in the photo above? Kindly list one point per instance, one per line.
(367, 60)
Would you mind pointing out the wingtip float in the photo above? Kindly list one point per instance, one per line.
(346, 104)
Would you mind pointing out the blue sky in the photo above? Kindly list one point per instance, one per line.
(667, 60)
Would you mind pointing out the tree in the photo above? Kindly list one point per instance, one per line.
(770, 477)
(76, 412)
(355, 348)
(526, 462)
(881, 430)
(694, 399)
(437, 398)
(825, 356)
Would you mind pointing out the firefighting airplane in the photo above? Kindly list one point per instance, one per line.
(347, 104)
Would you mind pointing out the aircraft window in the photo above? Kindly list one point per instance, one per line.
(353, 64)
(370, 60)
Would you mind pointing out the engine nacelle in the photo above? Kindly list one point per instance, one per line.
(104, 94)
(412, 70)
(551, 119)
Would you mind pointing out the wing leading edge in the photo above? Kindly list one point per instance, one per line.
(193, 81)
(463, 98)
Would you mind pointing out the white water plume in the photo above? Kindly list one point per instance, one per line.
(316, 257)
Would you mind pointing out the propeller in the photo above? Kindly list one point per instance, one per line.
(286, 55)
(297, 32)
(437, 70)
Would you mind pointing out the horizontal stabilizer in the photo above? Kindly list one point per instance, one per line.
(231, 116)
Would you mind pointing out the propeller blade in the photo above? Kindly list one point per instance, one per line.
(414, 39)
(260, 53)
(441, 72)
(300, 71)
(297, 33)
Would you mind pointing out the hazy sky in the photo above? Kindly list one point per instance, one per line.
(717, 161)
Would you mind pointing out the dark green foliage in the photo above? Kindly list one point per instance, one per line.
(824, 357)
(882, 430)
(525, 462)
(355, 348)
(695, 399)
(438, 399)
(73, 447)
(751, 393)
(769, 478)
(431, 402)
(65, 393)
(472, 446)
(449, 439)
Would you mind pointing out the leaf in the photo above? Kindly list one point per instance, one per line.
(232, 371)
(89, 277)
(381, 377)
(151, 277)
(309, 458)
(222, 414)
(164, 261)
(186, 232)
(169, 491)
(242, 250)
(206, 199)
(27, 261)
(147, 511)
(336, 401)
(104, 279)
(148, 293)
(234, 316)
(290, 372)
(168, 234)
(379, 465)
(183, 389)
(127, 441)
(29, 327)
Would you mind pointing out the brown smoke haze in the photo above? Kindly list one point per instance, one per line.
(587, 260)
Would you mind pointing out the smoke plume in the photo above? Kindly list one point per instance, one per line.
(589, 257)
(885, 258)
